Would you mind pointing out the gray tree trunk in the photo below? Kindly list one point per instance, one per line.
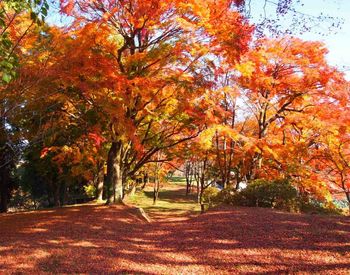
(114, 179)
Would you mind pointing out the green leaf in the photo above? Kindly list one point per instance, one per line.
(33, 16)
(44, 11)
(6, 78)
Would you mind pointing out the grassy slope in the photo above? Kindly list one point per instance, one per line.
(172, 201)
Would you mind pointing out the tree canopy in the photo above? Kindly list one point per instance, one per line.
(137, 88)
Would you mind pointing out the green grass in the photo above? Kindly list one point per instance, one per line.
(172, 201)
(178, 180)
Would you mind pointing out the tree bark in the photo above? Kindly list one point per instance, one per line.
(99, 184)
(156, 181)
(63, 193)
(4, 189)
(56, 195)
(118, 183)
(114, 179)
(145, 181)
(188, 175)
(156, 190)
(5, 164)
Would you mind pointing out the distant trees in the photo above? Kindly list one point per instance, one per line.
(284, 88)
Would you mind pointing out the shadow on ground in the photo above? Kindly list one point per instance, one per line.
(99, 239)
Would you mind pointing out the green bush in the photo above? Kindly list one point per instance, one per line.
(209, 195)
(313, 206)
(279, 194)
(227, 195)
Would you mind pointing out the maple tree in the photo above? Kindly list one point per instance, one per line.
(143, 81)
(284, 88)
(132, 90)
(333, 159)
(281, 78)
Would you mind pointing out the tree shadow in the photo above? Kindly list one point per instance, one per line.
(100, 239)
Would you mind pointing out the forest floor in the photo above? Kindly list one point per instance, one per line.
(97, 239)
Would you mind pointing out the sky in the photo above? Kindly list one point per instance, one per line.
(337, 41)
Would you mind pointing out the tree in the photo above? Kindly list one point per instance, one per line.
(333, 160)
(280, 78)
(18, 19)
(151, 57)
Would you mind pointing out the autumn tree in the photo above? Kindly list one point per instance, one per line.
(130, 85)
(333, 159)
(17, 20)
(281, 78)
(151, 57)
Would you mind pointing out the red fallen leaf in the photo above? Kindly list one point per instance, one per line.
(227, 240)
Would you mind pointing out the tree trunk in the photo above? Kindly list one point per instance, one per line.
(156, 180)
(4, 167)
(188, 186)
(156, 190)
(56, 196)
(188, 175)
(50, 196)
(145, 181)
(202, 188)
(114, 179)
(99, 184)
(63, 193)
(4, 188)
(118, 183)
(198, 193)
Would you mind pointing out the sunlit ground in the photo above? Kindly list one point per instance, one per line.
(101, 239)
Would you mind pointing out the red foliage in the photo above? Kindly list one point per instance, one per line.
(98, 139)
(44, 152)
(67, 6)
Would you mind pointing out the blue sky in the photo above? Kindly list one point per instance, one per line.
(338, 41)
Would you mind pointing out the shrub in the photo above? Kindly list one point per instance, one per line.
(209, 195)
(313, 206)
(90, 190)
(278, 194)
(227, 195)
(21, 200)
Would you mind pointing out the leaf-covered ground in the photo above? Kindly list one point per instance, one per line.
(102, 240)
